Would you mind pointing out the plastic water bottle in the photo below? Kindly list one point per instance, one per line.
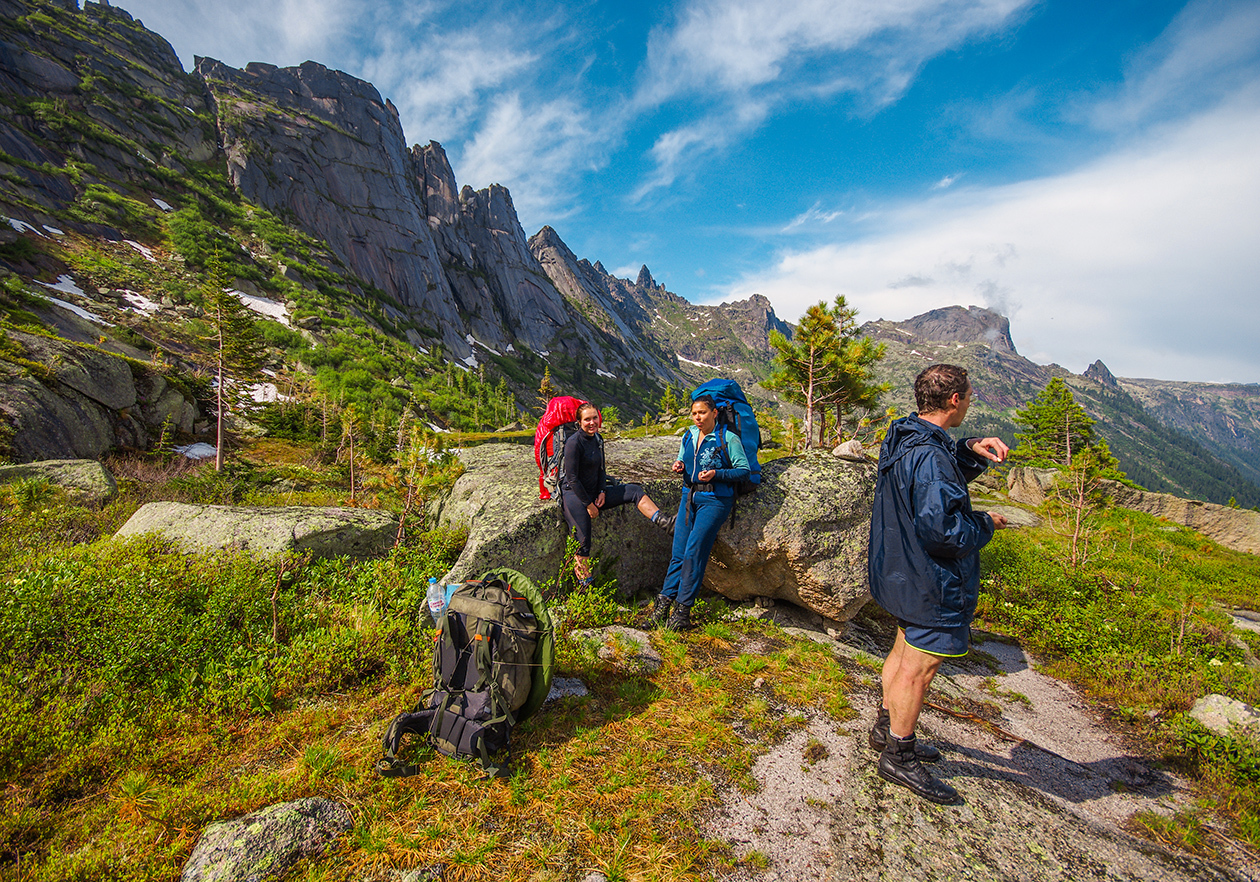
(436, 597)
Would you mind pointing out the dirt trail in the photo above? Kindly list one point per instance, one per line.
(1050, 807)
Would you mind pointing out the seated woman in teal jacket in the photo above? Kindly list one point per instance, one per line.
(712, 464)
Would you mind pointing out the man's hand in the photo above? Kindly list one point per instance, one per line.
(593, 510)
(990, 448)
(678, 466)
(999, 522)
(706, 476)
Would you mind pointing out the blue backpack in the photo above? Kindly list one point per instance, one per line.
(735, 414)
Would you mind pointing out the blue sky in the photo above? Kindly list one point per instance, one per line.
(1091, 170)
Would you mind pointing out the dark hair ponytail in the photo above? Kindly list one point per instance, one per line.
(706, 400)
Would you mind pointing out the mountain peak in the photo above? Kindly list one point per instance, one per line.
(1099, 374)
(954, 324)
(645, 279)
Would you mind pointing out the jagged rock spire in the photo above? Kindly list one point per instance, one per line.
(645, 279)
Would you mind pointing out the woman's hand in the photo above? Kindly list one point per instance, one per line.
(678, 466)
(599, 500)
(706, 476)
(592, 510)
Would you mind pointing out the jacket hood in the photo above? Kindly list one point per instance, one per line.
(906, 434)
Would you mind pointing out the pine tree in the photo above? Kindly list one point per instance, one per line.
(669, 403)
(1058, 428)
(546, 390)
(826, 364)
(238, 349)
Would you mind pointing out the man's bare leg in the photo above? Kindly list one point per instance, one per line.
(907, 674)
(906, 677)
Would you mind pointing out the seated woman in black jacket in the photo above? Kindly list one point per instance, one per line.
(584, 494)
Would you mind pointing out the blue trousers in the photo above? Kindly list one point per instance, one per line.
(693, 540)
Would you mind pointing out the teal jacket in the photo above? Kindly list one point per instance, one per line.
(724, 454)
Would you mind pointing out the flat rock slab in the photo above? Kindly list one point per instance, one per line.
(267, 843)
(321, 532)
(85, 480)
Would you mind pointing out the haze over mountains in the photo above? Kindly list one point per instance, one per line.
(103, 135)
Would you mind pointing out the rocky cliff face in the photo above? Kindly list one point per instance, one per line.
(322, 150)
(730, 337)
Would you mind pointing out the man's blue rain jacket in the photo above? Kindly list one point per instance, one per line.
(925, 539)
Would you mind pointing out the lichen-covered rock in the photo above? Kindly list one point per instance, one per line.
(801, 538)
(1004, 831)
(1223, 715)
(85, 480)
(321, 532)
(266, 844)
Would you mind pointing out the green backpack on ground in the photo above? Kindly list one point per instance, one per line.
(492, 662)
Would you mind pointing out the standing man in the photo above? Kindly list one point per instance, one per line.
(925, 562)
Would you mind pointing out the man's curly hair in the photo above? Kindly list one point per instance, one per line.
(934, 386)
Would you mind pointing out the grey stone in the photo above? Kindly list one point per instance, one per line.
(266, 844)
(85, 480)
(321, 532)
(94, 403)
(564, 687)
(101, 377)
(627, 648)
(851, 450)
(1029, 485)
(1224, 715)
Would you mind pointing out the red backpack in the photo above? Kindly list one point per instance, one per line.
(558, 422)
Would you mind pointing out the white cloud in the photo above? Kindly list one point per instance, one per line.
(443, 84)
(813, 217)
(1145, 258)
(738, 60)
(283, 32)
(1210, 49)
(735, 46)
(534, 149)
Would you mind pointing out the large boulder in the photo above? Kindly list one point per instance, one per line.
(496, 499)
(321, 532)
(1028, 485)
(85, 480)
(801, 538)
(267, 843)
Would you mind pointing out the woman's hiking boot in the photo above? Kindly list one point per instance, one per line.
(680, 619)
(666, 522)
(660, 611)
(899, 765)
(878, 740)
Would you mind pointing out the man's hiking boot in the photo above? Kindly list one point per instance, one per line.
(899, 765)
(666, 523)
(680, 619)
(878, 740)
(660, 611)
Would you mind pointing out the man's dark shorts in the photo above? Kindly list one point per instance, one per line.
(943, 642)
